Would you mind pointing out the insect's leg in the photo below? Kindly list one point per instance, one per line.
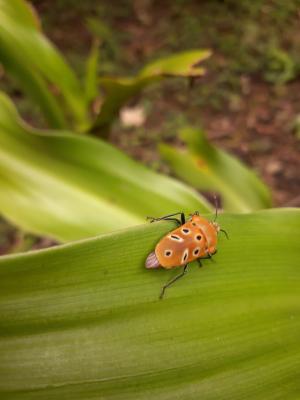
(172, 219)
(225, 233)
(167, 217)
(209, 256)
(199, 262)
(182, 218)
(172, 281)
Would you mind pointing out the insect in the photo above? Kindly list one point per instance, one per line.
(192, 240)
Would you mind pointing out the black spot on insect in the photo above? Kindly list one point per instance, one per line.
(198, 237)
(185, 230)
(196, 251)
(168, 253)
(185, 257)
(194, 223)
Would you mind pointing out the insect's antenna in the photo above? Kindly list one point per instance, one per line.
(216, 207)
(226, 234)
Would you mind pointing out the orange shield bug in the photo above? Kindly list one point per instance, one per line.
(194, 239)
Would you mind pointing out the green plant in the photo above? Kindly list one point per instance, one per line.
(208, 168)
(295, 126)
(43, 73)
(34, 62)
(55, 182)
(69, 186)
(279, 67)
(83, 320)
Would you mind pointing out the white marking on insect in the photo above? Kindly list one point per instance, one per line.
(176, 238)
(185, 255)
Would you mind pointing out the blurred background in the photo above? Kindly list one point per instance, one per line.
(247, 103)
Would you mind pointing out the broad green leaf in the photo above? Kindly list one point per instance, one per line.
(70, 187)
(23, 44)
(119, 90)
(206, 167)
(83, 321)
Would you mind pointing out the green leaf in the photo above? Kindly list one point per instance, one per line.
(83, 321)
(25, 51)
(185, 64)
(34, 86)
(206, 167)
(70, 187)
(119, 90)
(91, 77)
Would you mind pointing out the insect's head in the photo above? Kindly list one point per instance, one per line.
(198, 220)
(195, 217)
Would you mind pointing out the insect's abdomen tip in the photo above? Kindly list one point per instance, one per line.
(152, 261)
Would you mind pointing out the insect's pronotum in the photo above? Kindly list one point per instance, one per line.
(195, 239)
